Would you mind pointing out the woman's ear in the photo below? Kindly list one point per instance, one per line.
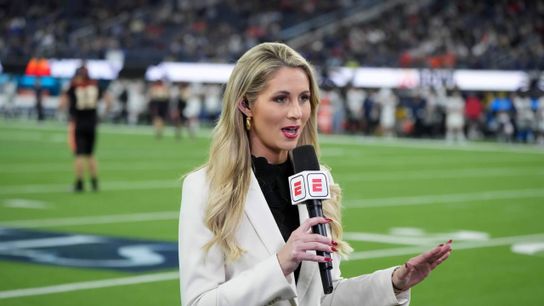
(243, 106)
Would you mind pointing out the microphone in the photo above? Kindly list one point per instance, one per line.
(309, 185)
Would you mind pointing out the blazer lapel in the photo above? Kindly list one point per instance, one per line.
(261, 218)
(307, 269)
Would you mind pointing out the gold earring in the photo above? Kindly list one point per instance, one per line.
(248, 123)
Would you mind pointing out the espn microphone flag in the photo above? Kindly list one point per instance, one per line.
(309, 185)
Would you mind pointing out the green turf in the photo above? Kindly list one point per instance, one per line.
(429, 187)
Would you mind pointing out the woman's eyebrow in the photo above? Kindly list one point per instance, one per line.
(286, 92)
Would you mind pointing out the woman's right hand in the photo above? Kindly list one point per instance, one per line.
(302, 240)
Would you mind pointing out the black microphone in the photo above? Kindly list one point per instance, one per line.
(304, 158)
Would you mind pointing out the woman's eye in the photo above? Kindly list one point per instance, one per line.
(304, 98)
(280, 99)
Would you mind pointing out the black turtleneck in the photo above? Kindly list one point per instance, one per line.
(273, 180)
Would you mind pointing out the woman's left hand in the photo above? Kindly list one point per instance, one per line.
(417, 268)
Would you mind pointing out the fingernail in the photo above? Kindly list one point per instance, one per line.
(328, 219)
(334, 242)
(450, 241)
(328, 259)
(441, 245)
(334, 249)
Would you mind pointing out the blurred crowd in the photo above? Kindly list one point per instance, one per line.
(149, 30)
(436, 113)
(503, 34)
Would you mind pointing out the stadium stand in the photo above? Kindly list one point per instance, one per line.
(424, 34)
(463, 34)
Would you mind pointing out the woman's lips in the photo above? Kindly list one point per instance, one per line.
(290, 132)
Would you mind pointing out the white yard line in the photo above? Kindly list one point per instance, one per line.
(66, 167)
(494, 242)
(349, 204)
(431, 144)
(377, 176)
(158, 277)
(106, 219)
(103, 128)
(416, 162)
(106, 283)
(326, 139)
(441, 174)
(446, 198)
(26, 204)
(105, 186)
(385, 238)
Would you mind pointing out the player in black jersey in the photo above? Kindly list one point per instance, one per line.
(159, 104)
(82, 99)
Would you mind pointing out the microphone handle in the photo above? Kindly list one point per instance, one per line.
(315, 209)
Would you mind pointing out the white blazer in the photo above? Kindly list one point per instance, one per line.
(256, 277)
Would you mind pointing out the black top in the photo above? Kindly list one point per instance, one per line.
(273, 180)
(83, 97)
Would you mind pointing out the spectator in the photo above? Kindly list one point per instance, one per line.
(159, 103)
(387, 103)
(455, 117)
(473, 113)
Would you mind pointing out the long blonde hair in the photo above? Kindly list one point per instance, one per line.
(229, 165)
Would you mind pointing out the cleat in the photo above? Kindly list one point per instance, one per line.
(94, 184)
(78, 186)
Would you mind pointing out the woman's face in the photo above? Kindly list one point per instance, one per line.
(279, 114)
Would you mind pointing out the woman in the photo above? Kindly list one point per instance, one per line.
(241, 241)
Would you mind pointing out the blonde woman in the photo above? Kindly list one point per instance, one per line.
(241, 241)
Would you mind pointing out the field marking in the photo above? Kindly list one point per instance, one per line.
(442, 174)
(402, 236)
(528, 248)
(105, 128)
(494, 242)
(67, 167)
(356, 140)
(430, 144)
(365, 161)
(25, 203)
(176, 183)
(421, 162)
(106, 283)
(446, 198)
(15, 245)
(150, 278)
(105, 219)
(106, 186)
(351, 204)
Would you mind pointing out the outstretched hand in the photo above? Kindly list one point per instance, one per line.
(417, 268)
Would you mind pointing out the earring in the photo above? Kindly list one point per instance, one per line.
(248, 123)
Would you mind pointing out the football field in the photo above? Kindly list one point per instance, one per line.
(118, 246)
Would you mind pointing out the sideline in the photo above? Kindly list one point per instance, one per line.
(357, 140)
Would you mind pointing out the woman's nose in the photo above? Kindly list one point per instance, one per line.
(295, 111)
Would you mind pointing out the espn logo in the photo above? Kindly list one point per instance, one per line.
(308, 185)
